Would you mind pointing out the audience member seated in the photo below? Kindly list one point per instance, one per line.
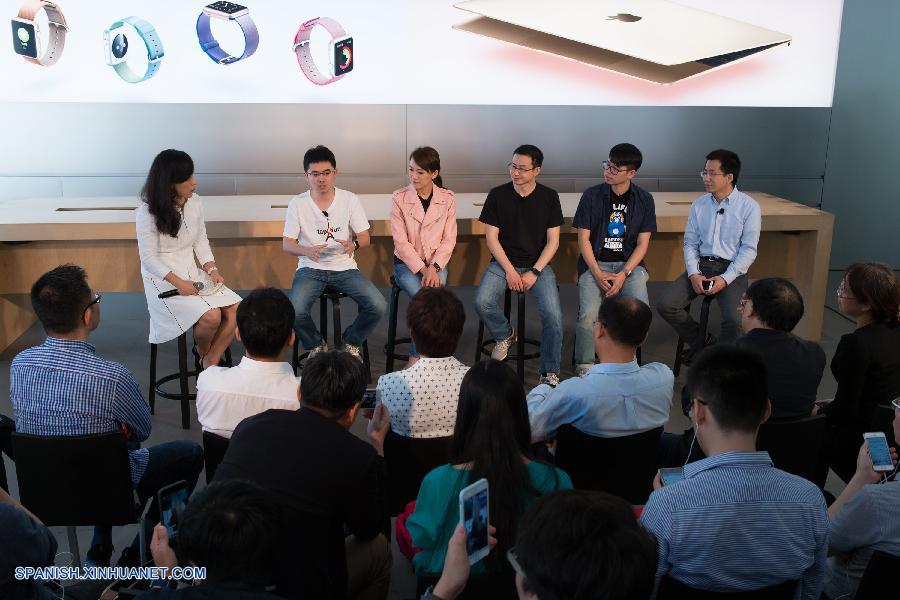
(421, 400)
(769, 311)
(62, 388)
(227, 528)
(7, 426)
(572, 545)
(866, 363)
(864, 518)
(318, 469)
(225, 397)
(491, 440)
(735, 522)
(617, 396)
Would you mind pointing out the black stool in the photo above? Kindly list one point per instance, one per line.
(392, 340)
(704, 322)
(182, 376)
(520, 356)
(333, 294)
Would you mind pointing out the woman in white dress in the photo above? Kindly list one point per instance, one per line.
(170, 231)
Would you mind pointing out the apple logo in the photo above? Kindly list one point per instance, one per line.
(624, 17)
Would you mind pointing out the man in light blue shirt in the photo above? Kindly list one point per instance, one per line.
(734, 522)
(616, 397)
(720, 243)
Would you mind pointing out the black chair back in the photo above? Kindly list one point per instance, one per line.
(408, 461)
(794, 445)
(623, 466)
(672, 589)
(496, 586)
(879, 577)
(76, 480)
(214, 448)
(312, 561)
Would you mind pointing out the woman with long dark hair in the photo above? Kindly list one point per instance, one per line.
(171, 231)
(491, 439)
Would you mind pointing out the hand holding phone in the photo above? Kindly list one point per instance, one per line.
(474, 514)
(707, 284)
(879, 451)
(172, 501)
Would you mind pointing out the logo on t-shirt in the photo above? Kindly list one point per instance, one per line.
(616, 228)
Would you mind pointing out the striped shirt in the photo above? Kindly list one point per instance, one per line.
(736, 523)
(63, 388)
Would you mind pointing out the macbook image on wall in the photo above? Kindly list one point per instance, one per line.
(655, 40)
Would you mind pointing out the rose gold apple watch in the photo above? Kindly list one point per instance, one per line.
(26, 34)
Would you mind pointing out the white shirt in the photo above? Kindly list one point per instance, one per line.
(225, 397)
(422, 399)
(307, 223)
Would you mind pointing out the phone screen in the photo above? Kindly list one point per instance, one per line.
(475, 520)
(878, 450)
(172, 501)
(369, 399)
(670, 476)
(707, 284)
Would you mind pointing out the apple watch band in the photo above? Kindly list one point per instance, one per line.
(154, 46)
(211, 46)
(304, 54)
(58, 29)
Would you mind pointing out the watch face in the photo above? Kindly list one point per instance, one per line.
(228, 8)
(343, 56)
(24, 38)
(119, 45)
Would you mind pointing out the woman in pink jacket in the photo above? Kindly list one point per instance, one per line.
(423, 223)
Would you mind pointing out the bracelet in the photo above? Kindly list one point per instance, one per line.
(211, 270)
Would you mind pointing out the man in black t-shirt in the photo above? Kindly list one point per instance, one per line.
(523, 219)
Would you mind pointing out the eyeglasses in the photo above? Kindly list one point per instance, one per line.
(841, 292)
(709, 174)
(511, 556)
(96, 300)
(514, 168)
(612, 168)
(742, 303)
(317, 174)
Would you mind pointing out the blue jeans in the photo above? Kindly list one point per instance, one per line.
(308, 286)
(590, 297)
(487, 305)
(411, 283)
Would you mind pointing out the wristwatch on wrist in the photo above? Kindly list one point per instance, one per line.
(536, 271)
(436, 266)
(627, 272)
(228, 11)
(27, 34)
(116, 44)
(340, 57)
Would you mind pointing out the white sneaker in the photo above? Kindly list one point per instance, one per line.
(582, 369)
(353, 351)
(551, 379)
(323, 347)
(501, 348)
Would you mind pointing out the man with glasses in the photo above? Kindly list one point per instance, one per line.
(62, 388)
(324, 228)
(720, 243)
(615, 220)
(522, 220)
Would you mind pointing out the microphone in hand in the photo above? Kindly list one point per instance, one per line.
(198, 285)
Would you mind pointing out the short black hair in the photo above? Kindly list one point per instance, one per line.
(229, 527)
(626, 155)
(59, 298)
(777, 301)
(580, 545)
(626, 319)
(265, 319)
(731, 164)
(537, 157)
(732, 383)
(332, 382)
(435, 318)
(318, 154)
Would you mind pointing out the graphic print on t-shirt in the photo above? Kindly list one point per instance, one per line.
(615, 232)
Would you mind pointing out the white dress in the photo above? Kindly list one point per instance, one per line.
(161, 254)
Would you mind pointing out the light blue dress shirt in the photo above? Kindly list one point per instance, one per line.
(612, 400)
(732, 235)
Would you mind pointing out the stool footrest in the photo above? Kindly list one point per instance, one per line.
(173, 395)
(511, 356)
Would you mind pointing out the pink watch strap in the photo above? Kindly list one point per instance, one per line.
(58, 29)
(304, 54)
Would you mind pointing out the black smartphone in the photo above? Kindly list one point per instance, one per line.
(172, 501)
(369, 399)
(707, 284)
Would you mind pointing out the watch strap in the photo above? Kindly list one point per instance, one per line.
(58, 29)
(304, 53)
(154, 46)
(211, 46)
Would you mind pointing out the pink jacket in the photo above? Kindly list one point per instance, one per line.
(422, 238)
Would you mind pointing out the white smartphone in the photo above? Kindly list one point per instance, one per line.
(878, 451)
(474, 514)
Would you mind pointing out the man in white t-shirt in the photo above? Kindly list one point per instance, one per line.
(324, 227)
(262, 380)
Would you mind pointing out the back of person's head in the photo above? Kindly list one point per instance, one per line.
(59, 298)
(732, 383)
(532, 151)
(777, 302)
(731, 164)
(170, 167)
(875, 285)
(626, 319)
(427, 158)
(493, 433)
(229, 527)
(332, 383)
(581, 545)
(435, 318)
(626, 156)
(265, 319)
(318, 154)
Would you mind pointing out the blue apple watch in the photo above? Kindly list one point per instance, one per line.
(116, 43)
(228, 11)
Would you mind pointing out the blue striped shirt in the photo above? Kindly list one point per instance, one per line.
(63, 388)
(736, 523)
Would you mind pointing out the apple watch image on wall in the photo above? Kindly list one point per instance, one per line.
(341, 58)
(117, 46)
(27, 34)
(227, 11)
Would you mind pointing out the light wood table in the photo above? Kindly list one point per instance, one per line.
(38, 234)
